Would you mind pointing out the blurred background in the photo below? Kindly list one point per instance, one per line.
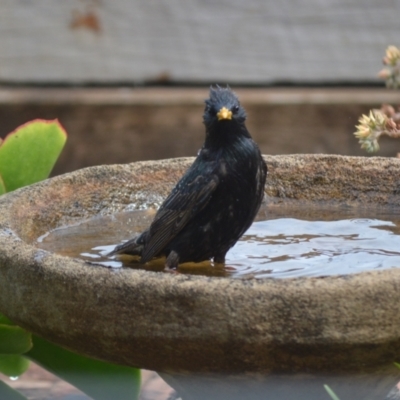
(128, 78)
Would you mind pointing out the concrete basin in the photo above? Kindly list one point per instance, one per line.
(182, 323)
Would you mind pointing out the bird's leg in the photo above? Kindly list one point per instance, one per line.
(220, 258)
(172, 260)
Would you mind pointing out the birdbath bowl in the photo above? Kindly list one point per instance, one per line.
(346, 326)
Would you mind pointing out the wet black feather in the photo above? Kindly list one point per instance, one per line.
(216, 200)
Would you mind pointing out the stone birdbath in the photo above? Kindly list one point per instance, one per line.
(210, 337)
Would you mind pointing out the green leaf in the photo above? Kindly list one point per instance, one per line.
(4, 320)
(14, 340)
(28, 154)
(331, 393)
(9, 393)
(397, 365)
(98, 379)
(13, 364)
(2, 186)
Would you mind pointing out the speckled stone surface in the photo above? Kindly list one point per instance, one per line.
(192, 323)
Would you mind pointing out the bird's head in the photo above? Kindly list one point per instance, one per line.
(223, 107)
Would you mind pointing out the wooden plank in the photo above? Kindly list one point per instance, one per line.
(186, 96)
(156, 123)
(252, 41)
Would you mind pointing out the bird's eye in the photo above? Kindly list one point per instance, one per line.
(235, 109)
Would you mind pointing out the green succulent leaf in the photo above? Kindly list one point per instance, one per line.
(2, 186)
(13, 364)
(14, 340)
(98, 379)
(331, 393)
(4, 320)
(10, 394)
(28, 154)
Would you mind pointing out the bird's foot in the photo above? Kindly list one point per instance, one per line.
(172, 261)
(172, 271)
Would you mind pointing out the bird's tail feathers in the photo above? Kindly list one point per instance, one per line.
(131, 247)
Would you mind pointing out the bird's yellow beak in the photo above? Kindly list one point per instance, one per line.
(224, 113)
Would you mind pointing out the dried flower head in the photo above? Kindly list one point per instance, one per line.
(385, 121)
(391, 73)
(378, 122)
(392, 56)
(369, 129)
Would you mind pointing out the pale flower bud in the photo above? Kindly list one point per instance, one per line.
(392, 55)
(384, 73)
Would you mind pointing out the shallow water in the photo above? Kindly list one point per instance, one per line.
(282, 243)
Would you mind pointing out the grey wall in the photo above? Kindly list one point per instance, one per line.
(252, 41)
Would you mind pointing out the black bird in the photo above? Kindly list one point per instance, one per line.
(217, 198)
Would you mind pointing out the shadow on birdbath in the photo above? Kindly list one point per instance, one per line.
(281, 336)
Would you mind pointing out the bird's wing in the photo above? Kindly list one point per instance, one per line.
(185, 201)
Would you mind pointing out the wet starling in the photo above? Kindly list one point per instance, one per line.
(217, 198)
